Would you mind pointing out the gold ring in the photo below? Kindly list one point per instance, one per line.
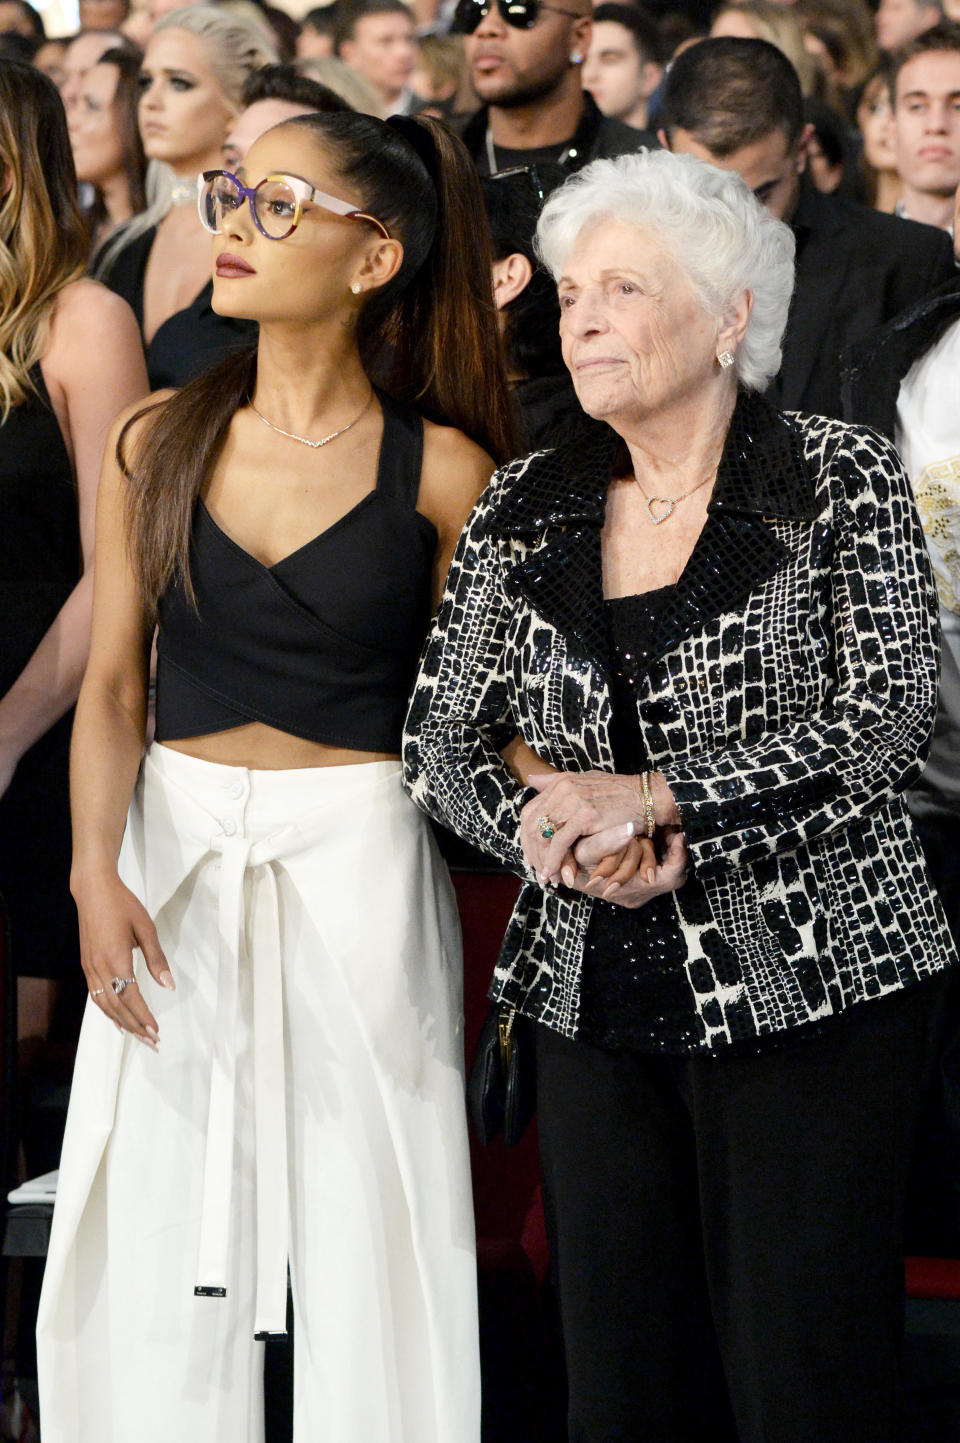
(546, 828)
(98, 992)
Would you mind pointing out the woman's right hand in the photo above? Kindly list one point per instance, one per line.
(644, 881)
(112, 923)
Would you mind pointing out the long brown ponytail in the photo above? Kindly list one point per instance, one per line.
(430, 336)
(448, 356)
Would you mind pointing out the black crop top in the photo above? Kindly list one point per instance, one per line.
(324, 644)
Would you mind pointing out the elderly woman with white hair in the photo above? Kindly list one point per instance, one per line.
(701, 645)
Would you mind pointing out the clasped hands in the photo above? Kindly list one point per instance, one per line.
(599, 846)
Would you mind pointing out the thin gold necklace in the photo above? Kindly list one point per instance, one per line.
(305, 440)
(671, 502)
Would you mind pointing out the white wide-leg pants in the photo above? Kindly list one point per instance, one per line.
(306, 1104)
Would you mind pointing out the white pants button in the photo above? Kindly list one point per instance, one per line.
(229, 828)
(236, 789)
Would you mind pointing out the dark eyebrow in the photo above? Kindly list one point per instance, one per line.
(241, 174)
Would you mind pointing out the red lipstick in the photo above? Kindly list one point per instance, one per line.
(233, 267)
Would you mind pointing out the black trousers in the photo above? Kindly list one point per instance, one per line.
(933, 1200)
(727, 1231)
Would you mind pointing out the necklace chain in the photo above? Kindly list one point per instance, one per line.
(305, 440)
(671, 502)
(567, 154)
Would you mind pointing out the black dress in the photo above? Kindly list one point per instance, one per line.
(190, 341)
(40, 564)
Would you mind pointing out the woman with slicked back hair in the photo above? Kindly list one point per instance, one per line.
(194, 68)
(270, 1071)
(70, 359)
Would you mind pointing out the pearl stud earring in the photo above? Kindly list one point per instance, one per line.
(356, 288)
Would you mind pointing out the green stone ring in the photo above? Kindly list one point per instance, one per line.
(546, 828)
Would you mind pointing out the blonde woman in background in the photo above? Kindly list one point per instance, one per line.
(70, 359)
(762, 20)
(192, 80)
(349, 84)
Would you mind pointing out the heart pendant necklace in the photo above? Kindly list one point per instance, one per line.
(670, 503)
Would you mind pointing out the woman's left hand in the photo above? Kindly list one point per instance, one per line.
(579, 804)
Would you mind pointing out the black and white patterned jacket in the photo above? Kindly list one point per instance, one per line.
(788, 701)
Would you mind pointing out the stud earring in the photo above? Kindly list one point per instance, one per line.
(577, 59)
(726, 358)
(356, 288)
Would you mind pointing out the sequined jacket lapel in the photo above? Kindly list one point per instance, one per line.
(762, 475)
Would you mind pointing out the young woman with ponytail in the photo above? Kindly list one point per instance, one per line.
(274, 1075)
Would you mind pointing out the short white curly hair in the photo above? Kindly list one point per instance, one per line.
(710, 222)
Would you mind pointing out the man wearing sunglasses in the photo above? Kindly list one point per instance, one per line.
(525, 59)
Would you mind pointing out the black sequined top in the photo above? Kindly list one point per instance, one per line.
(634, 992)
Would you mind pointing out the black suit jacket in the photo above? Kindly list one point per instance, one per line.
(856, 269)
(875, 366)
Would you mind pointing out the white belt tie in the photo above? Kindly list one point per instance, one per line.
(270, 1101)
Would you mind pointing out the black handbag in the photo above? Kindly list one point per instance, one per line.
(502, 1086)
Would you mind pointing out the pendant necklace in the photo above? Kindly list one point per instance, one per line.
(305, 440)
(670, 502)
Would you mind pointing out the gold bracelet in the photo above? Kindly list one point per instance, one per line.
(646, 796)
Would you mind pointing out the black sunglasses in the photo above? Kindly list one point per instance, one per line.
(521, 14)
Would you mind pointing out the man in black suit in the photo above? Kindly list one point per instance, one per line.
(524, 61)
(737, 103)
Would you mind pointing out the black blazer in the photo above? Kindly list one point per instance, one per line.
(789, 701)
(874, 367)
(856, 269)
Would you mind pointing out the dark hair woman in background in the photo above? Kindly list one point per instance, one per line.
(526, 299)
(280, 1079)
(107, 149)
(70, 359)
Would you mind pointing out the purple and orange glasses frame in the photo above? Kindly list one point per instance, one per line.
(276, 203)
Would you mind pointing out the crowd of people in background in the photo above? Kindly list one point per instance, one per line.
(866, 126)
(844, 122)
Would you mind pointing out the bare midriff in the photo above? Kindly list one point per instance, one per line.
(263, 748)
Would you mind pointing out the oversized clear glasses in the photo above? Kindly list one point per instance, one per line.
(276, 203)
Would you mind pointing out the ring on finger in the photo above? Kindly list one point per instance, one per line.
(546, 828)
(98, 992)
(120, 984)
